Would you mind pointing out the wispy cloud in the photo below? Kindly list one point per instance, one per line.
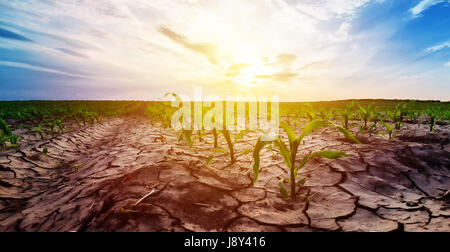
(207, 49)
(438, 47)
(326, 48)
(235, 69)
(39, 68)
(280, 77)
(424, 5)
(447, 64)
(72, 53)
(314, 65)
(283, 59)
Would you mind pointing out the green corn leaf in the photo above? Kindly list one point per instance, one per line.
(209, 160)
(324, 154)
(4, 127)
(180, 136)
(13, 139)
(226, 134)
(309, 198)
(224, 150)
(310, 127)
(289, 131)
(240, 135)
(188, 137)
(246, 151)
(347, 134)
(301, 182)
(388, 127)
(283, 190)
(256, 157)
(331, 154)
(284, 152)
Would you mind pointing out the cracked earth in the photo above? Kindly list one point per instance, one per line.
(92, 178)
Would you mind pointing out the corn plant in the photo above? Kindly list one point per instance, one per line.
(433, 114)
(5, 128)
(413, 115)
(39, 130)
(365, 113)
(310, 113)
(297, 118)
(345, 115)
(289, 154)
(231, 142)
(398, 115)
(6, 134)
(389, 129)
(325, 115)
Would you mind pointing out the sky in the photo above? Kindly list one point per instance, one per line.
(300, 50)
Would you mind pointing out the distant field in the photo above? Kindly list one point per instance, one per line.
(365, 165)
(53, 118)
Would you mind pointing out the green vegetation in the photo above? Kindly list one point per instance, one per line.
(51, 118)
(47, 119)
(289, 154)
(6, 135)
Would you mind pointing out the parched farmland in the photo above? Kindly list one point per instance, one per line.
(367, 165)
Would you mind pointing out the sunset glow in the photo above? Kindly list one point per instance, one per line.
(300, 50)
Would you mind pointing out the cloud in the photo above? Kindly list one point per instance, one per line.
(207, 49)
(12, 35)
(282, 59)
(235, 69)
(314, 65)
(278, 76)
(39, 68)
(72, 53)
(447, 64)
(438, 47)
(328, 9)
(327, 47)
(423, 5)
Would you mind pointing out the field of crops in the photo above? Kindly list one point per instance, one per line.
(364, 165)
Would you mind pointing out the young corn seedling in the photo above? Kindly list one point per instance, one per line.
(364, 114)
(289, 154)
(3, 139)
(433, 114)
(310, 113)
(231, 142)
(389, 129)
(413, 116)
(6, 134)
(345, 115)
(58, 123)
(5, 128)
(398, 115)
(297, 118)
(40, 131)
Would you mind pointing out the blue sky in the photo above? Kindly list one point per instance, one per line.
(302, 50)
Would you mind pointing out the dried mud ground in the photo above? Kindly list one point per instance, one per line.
(92, 177)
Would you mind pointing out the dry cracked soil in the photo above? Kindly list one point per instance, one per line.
(92, 178)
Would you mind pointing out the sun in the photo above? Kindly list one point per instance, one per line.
(251, 70)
